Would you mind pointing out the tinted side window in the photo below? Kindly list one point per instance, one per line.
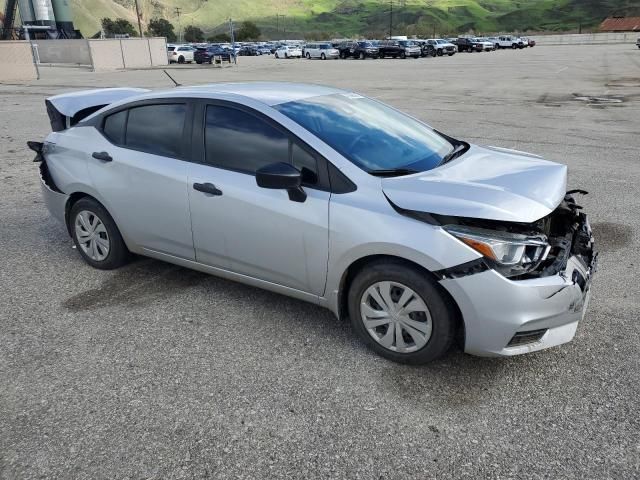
(157, 129)
(114, 127)
(237, 140)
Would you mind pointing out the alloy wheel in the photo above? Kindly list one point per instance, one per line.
(396, 317)
(92, 235)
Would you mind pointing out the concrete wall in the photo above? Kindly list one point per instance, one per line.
(17, 62)
(158, 49)
(106, 54)
(113, 54)
(74, 52)
(585, 38)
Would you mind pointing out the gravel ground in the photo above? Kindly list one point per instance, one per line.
(154, 371)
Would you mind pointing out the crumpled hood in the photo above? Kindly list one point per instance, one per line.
(486, 182)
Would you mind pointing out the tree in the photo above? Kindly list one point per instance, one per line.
(161, 27)
(120, 26)
(219, 37)
(193, 34)
(248, 31)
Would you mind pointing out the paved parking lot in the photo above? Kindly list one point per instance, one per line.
(154, 371)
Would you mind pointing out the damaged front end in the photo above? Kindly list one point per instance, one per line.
(530, 250)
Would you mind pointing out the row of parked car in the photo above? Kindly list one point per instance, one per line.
(400, 48)
(361, 49)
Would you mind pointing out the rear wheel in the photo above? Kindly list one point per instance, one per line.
(323, 56)
(439, 52)
(361, 55)
(400, 312)
(403, 55)
(96, 235)
(308, 56)
(180, 59)
(277, 55)
(514, 46)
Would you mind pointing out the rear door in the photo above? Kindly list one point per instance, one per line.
(141, 173)
(250, 230)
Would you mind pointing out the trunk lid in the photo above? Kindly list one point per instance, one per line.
(486, 182)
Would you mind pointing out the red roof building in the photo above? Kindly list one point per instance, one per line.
(620, 24)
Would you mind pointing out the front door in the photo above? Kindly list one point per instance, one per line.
(249, 230)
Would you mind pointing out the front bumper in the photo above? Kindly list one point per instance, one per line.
(495, 308)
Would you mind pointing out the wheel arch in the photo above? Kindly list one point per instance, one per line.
(78, 195)
(358, 265)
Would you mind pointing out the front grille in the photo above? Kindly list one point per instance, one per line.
(524, 338)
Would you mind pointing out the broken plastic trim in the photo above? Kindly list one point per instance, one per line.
(463, 270)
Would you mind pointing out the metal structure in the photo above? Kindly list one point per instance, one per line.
(52, 16)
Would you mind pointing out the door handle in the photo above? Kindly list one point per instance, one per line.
(209, 188)
(104, 156)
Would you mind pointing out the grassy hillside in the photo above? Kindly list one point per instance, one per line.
(336, 18)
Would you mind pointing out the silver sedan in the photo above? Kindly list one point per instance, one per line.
(330, 197)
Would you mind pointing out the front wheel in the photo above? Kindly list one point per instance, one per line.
(401, 313)
(323, 57)
(96, 235)
(362, 55)
(403, 55)
(181, 59)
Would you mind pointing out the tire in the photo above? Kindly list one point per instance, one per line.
(403, 55)
(323, 56)
(451, 54)
(362, 56)
(199, 62)
(180, 59)
(276, 54)
(439, 52)
(286, 55)
(424, 291)
(85, 211)
(308, 56)
(514, 46)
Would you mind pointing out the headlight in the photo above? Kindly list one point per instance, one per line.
(510, 254)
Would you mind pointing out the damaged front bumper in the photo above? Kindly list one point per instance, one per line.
(504, 317)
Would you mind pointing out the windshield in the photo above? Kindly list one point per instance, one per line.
(370, 134)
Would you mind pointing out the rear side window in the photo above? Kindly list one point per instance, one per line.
(156, 129)
(114, 126)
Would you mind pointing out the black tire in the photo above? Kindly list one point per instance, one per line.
(362, 56)
(442, 314)
(276, 55)
(180, 59)
(118, 253)
(439, 52)
(514, 46)
(308, 56)
(323, 56)
(403, 55)
(199, 62)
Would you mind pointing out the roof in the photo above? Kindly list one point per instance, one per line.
(269, 93)
(621, 24)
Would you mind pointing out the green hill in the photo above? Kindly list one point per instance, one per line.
(337, 18)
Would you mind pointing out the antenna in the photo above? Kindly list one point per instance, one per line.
(172, 79)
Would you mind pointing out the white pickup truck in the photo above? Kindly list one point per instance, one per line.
(509, 41)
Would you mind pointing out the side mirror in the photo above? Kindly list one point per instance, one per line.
(282, 176)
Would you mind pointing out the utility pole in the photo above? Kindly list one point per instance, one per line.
(390, 18)
(138, 15)
(178, 10)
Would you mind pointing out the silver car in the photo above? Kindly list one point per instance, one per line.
(331, 197)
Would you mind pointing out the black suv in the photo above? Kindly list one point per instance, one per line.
(398, 48)
(361, 49)
(468, 45)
